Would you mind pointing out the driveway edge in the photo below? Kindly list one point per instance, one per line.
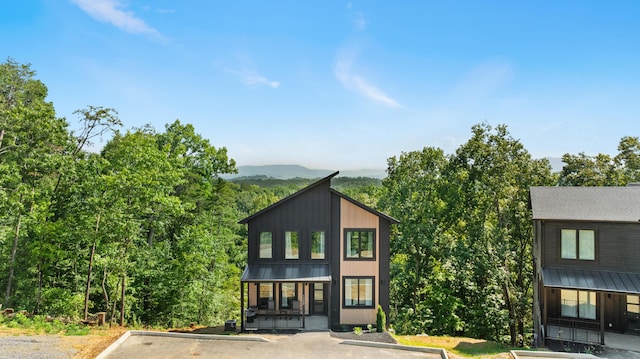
(129, 333)
(442, 352)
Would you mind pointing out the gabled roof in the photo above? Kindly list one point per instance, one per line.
(290, 197)
(602, 204)
(365, 207)
(312, 186)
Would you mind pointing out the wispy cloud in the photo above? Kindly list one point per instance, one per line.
(113, 12)
(343, 70)
(360, 21)
(253, 79)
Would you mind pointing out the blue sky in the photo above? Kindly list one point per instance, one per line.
(342, 84)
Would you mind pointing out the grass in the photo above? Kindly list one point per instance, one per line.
(459, 346)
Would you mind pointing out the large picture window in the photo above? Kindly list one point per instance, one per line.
(291, 245)
(317, 245)
(578, 304)
(359, 244)
(288, 293)
(578, 244)
(358, 292)
(265, 294)
(266, 245)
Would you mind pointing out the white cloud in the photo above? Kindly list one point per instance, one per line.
(343, 71)
(360, 21)
(253, 79)
(110, 11)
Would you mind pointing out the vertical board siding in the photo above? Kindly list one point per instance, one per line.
(352, 216)
(618, 246)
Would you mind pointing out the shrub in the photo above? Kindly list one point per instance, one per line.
(357, 330)
(381, 320)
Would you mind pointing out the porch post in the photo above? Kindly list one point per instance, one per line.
(241, 306)
(303, 302)
(545, 305)
(601, 318)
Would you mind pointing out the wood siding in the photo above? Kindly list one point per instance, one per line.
(308, 212)
(617, 246)
(352, 216)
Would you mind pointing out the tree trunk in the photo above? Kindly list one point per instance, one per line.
(39, 296)
(106, 295)
(124, 287)
(12, 259)
(512, 314)
(88, 287)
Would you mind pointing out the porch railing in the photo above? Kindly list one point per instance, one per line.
(575, 330)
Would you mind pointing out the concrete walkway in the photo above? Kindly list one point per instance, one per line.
(303, 345)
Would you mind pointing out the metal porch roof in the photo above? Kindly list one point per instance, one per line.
(286, 273)
(592, 280)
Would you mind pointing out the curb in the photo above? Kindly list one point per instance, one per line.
(553, 355)
(442, 352)
(129, 333)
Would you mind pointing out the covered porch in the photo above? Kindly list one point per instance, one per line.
(285, 297)
(592, 307)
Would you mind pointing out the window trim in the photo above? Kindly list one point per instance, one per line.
(577, 245)
(324, 238)
(260, 257)
(345, 248)
(285, 245)
(344, 292)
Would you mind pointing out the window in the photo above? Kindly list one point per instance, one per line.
(265, 294)
(266, 245)
(288, 293)
(290, 245)
(578, 304)
(317, 245)
(359, 244)
(578, 244)
(358, 292)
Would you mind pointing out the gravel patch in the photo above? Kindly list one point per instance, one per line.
(34, 347)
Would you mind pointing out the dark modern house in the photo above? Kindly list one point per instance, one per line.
(586, 262)
(317, 257)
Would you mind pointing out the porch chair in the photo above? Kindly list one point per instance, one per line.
(271, 309)
(295, 309)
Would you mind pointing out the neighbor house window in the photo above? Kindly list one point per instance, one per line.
(358, 292)
(317, 245)
(265, 294)
(290, 245)
(578, 244)
(288, 293)
(578, 304)
(359, 244)
(266, 245)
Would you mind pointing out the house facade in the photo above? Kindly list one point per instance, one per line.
(586, 262)
(316, 253)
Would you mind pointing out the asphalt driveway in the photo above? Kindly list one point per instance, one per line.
(303, 345)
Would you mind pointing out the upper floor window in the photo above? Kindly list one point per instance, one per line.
(291, 245)
(359, 244)
(578, 244)
(266, 245)
(317, 245)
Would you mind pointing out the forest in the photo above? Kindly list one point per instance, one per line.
(145, 228)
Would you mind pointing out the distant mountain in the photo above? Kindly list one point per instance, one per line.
(297, 171)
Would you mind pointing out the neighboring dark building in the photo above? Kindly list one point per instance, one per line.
(586, 261)
(316, 253)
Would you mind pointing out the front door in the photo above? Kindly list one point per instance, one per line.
(319, 299)
(612, 312)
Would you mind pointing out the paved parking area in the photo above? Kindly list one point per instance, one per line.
(303, 345)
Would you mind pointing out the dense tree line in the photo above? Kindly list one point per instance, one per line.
(462, 255)
(146, 229)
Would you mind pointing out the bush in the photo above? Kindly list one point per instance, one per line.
(381, 320)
